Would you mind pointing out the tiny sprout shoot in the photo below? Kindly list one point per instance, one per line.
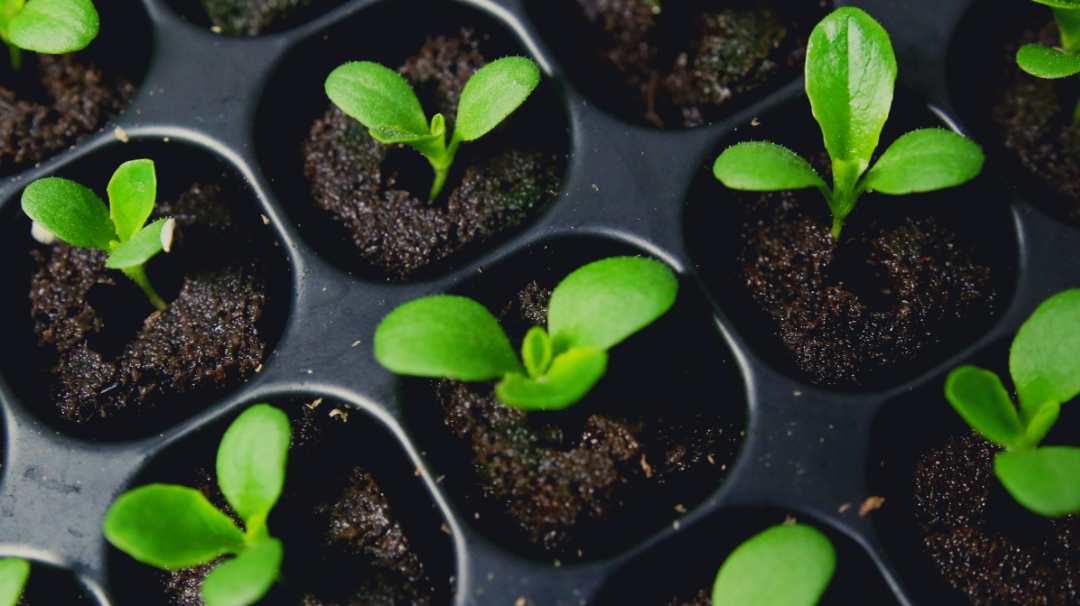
(590, 311)
(13, 575)
(1052, 63)
(46, 26)
(850, 72)
(66, 210)
(1045, 366)
(789, 565)
(382, 100)
(175, 527)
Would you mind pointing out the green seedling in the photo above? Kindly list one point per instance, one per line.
(382, 100)
(66, 210)
(1061, 62)
(786, 565)
(13, 575)
(850, 73)
(1045, 366)
(175, 527)
(46, 26)
(590, 311)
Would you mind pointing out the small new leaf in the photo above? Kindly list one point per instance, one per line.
(13, 575)
(789, 565)
(139, 249)
(536, 351)
(251, 463)
(132, 192)
(244, 579)
(1043, 480)
(571, 376)
(54, 26)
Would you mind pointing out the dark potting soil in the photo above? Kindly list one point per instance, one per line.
(250, 17)
(343, 545)
(702, 598)
(626, 453)
(106, 350)
(983, 542)
(55, 102)
(684, 63)
(379, 193)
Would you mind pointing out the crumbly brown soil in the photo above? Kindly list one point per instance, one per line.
(683, 64)
(250, 17)
(344, 547)
(380, 192)
(702, 598)
(982, 542)
(562, 476)
(56, 102)
(108, 351)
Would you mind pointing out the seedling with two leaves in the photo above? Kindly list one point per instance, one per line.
(1060, 62)
(66, 210)
(382, 100)
(788, 565)
(175, 527)
(850, 73)
(46, 26)
(1045, 366)
(590, 311)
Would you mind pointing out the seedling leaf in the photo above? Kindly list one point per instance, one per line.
(536, 351)
(380, 99)
(982, 401)
(1046, 62)
(1060, 3)
(571, 376)
(760, 166)
(132, 191)
(251, 462)
(139, 249)
(13, 575)
(54, 26)
(788, 565)
(70, 211)
(171, 527)
(244, 579)
(925, 160)
(1043, 361)
(1043, 480)
(1041, 423)
(492, 93)
(445, 336)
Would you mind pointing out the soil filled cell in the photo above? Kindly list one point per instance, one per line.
(250, 17)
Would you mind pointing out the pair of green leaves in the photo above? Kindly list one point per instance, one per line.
(13, 575)
(77, 216)
(787, 565)
(1046, 62)
(175, 527)
(850, 73)
(1045, 366)
(382, 100)
(46, 26)
(590, 311)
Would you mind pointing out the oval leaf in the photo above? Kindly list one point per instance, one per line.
(1046, 481)
(604, 302)
(132, 191)
(1045, 355)
(982, 401)
(760, 166)
(251, 463)
(536, 351)
(1046, 62)
(54, 26)
(788, 565)
(380, 99)
(70, 211)
(1060, 3)
(571, 376)
(139, 249)
(1041, 423)
(493, 92)
(445, 336)
(925, 160)
(171, 527)
(13, 575)
(244, 579)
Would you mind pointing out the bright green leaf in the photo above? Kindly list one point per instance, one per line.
(54, 26)
(571, 376)
(251, 462)
(604, 302)
(1041, 423)
(1046, 62)
(70, 211)
(536, 351)
(492, 93)
(982, 401)
(445, 336)
(782, 566)
(380, 99)
(1045, 356)
(925, 160)
(1060, 3)
(1046, 480)
(760, 166)
(13, 575)
(244, 579)
(132, 191)
(171, 527)
(139, 249)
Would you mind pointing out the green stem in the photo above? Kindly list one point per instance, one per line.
(441, 163)
(837, 223)
(16, 56)
(1076, 114)
(1068, 20)
(138, 275)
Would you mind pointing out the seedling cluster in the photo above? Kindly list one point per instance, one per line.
(788, 565)
(850, 73)
(1046, 62)
(46, 26)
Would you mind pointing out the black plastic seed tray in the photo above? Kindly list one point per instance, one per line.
(234, 110)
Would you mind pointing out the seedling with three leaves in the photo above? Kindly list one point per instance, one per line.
(64, 209)
(591, 310)
(175, 527)
(382, 100)
(1061, 62)
(46, 26)
(789, 565)
(850, 73)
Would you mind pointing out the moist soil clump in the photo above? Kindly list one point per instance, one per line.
(702, 598)
(53, 103)
(250, 17)
(984, 543)
(343, 545)
(379, 193)
(572, 482)
(105, 350)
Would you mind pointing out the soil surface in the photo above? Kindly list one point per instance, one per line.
(55, 102)
(985, 544)
(379, 193)
(250, 17)
(702, 598)
(108, 351)
(623, 455)
(344, 547)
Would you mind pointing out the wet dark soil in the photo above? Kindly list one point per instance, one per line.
(107, 352)
(379, 193)
(53, 103)
(985, 544)
(702, 598)
(250, 17)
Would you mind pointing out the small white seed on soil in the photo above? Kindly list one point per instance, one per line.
(558, 563)
(521, 601)
(216, 29)
(167, 234)
(595, 188)
(356, 342)
(871, 504)
(41, 234)
(315, 404)
(258, 368)
(337, 412)
(419, 470)
(645, 466)
(266, 220)
(121, 134)
(439, 479)
(790, 521)
(755, 122)
(445, 528)
(844, 507)
(679, 508)
(712, 461)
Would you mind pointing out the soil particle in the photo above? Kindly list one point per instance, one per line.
(106, 348)
(702, 598)
(379, 192)
(65, 103)
(985, 544)
(250, 17)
